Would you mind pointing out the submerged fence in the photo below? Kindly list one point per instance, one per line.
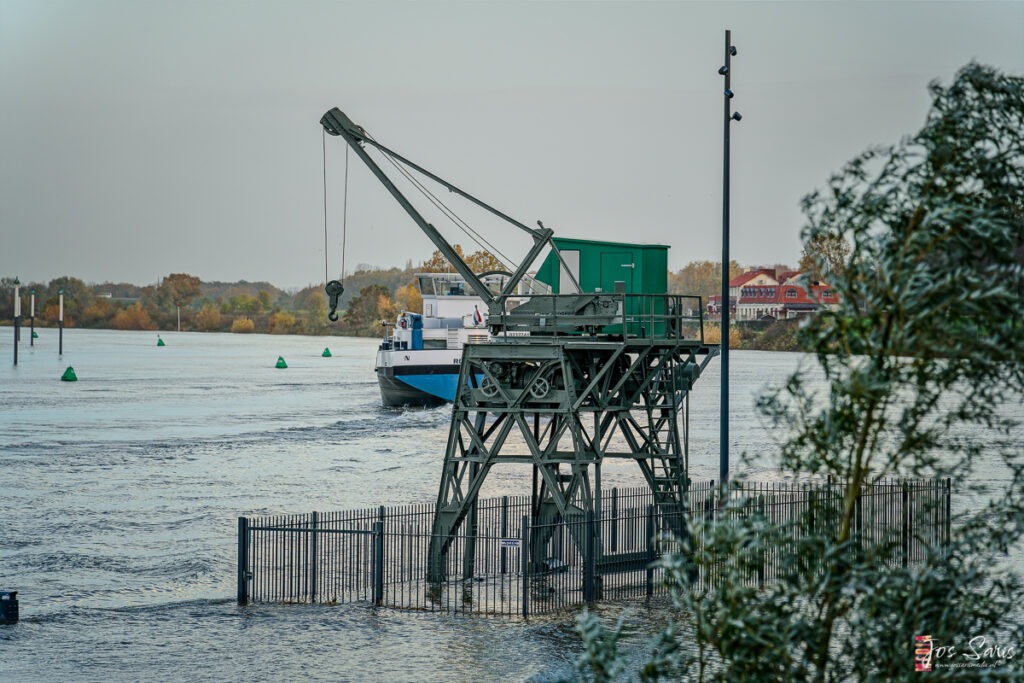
(513, 564)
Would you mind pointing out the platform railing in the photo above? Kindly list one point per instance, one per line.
(631, 316)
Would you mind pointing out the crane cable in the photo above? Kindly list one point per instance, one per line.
(447, 211)
(472, 234)
(334, 288)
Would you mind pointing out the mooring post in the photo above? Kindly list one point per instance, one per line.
(17, 316)
(60, 323)
(313, 559)
(378, 563)
(32, 319)
(524, 554)
(243, 560)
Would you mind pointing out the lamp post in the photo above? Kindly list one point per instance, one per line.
(17, 316)
(729, 117)
(60, 323)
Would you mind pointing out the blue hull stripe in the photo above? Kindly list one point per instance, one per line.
(442, 386)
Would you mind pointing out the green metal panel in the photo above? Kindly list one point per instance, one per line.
(642, 267)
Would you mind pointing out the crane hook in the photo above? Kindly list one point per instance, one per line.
(334, 291)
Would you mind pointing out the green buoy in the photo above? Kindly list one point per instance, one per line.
(326, 353)
(280, 363)
(159, 341)
(69, 375)
(35, 335)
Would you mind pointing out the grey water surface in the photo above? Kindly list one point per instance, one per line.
(121, 492)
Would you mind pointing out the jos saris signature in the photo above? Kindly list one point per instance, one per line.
(979, 651)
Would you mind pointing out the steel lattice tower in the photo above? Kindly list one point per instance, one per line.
(562, 405)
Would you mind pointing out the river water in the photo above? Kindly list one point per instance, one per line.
(121, 494)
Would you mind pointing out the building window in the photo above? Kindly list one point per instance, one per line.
(790, 293)
(827, 293)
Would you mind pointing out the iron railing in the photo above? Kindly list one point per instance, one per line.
(662, 317)
(505, 562)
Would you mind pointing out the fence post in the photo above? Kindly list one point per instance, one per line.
(378, 563)
(906, 523)
(811, 501)
(504, 533)
(762, 557)
(524, 554)
(858, 517)
(615, 520)
(243, 560)
(588, 560)
(650, 550)
(314, 557)
(949, 516)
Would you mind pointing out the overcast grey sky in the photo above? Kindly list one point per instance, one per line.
(145, 138)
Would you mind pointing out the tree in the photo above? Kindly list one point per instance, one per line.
(824, 256)
(481, 261)
(100, 313)
(209, 318)
(134, 317)
(245, 304)
(312, 301)
(180, 288)
(310, 306)
(363, 316)
(78, 296)
(437, 263)
(264, 299)
(920, 362)
(162, 302)
(484, 261)
(282, 323)
(243, 325)
(408, 298)
(701, 278)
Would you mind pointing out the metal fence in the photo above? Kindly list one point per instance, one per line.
(894, 522)
(515, 565)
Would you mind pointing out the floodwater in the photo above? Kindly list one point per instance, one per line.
(121, 494)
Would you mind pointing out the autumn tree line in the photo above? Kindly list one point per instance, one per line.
(371, 295)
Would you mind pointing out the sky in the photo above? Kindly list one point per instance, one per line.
(139, 139)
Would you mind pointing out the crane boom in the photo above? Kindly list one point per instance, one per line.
(336, 122)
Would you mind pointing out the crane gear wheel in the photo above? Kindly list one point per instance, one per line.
(488, 387)
(540, 387)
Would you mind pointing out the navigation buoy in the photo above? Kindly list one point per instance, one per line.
(159, 341)
(69, 375)
(280, 363)
(35, 335)
(326, 353)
